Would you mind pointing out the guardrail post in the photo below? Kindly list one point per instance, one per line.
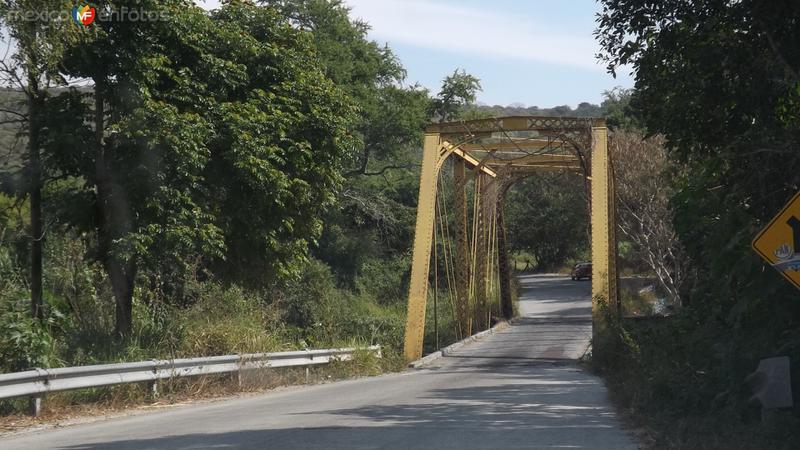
(35, 405)
(152, 388)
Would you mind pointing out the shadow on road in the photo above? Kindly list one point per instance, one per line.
(555, 407)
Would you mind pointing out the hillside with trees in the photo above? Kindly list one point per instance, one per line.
(163, 195)
(719, 81)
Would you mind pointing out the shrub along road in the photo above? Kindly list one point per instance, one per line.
(518, 388)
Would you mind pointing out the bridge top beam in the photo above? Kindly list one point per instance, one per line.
(517, 123)
(490, 163)
(534, 163)
(518, 144)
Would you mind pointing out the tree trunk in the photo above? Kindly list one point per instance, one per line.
(114, 222)
(35, 186)
(122, 278)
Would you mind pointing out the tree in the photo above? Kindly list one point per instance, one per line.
(643, 191)
(618, 110)
(545, 215)
(373, 218)
(714, 78)
(459, 90)
(32, 69)
(390, 115)
(222, 154)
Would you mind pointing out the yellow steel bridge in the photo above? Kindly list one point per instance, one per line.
(488, 157)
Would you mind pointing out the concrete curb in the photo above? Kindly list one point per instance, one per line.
(425, 360)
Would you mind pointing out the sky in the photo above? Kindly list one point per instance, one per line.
(530, 52)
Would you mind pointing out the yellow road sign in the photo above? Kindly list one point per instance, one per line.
(779, 242)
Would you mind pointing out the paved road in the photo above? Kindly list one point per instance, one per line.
(515, 389)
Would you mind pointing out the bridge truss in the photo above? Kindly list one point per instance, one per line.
(491, 155)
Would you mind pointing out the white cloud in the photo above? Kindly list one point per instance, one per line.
(434, 24)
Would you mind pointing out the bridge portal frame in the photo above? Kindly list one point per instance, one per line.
(498, 157)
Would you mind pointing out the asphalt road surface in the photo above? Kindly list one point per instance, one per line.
(519, 388)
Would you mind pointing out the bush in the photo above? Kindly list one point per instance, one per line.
(77, 285)
(324, 315)
(227, 320)
(384, 280)
(682, 383)
(368, 323)
(307, 301)
(25, 342)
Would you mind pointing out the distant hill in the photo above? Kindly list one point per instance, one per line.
(584, 109)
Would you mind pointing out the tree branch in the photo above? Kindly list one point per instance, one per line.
(15, 113)
(363, 170)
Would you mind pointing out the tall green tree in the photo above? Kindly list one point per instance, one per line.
(459, 90)
(222, 154)
(374, 206)
(391, 115)
(618, 110)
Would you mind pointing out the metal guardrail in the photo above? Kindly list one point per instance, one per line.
(37, 382)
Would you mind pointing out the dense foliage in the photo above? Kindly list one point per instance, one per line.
(547, 216)
(719, 80)
(203, 198)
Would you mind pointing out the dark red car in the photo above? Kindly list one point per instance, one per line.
(582, 270)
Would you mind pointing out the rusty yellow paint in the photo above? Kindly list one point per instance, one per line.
(515, 123)
(423, 240)
(515, 146)
(466, 157)
(604, 254)
(566, 162)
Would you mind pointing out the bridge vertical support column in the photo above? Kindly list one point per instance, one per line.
(486, 251)
(506, 306)
(423, 240)
(481, 253)
(604, 243)
(460, 232)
